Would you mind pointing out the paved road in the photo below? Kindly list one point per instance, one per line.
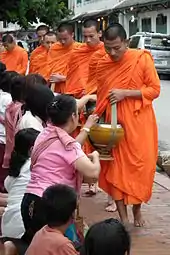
(162, 110)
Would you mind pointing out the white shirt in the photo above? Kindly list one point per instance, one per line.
(12, 224)
(5, 100)
(30, 121)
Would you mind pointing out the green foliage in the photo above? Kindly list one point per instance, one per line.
(24, 12)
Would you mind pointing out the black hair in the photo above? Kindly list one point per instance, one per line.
(114, 31)
(60, 202)
(2, 67)
(24, 141)
(61, 108)
(8, 38)
(91, 23)
(65, 26)
(107, 237)
(6, 78)
(34, 79)
(18, 88)
(20, 44)
(42, 27)
(37, 99)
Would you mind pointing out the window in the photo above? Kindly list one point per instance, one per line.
(134, 41)
(161, 24)
(146, 25)
(133, 27)
(79, 1)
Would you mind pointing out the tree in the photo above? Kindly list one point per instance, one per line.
(28, 11)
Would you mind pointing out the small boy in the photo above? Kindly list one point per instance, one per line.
(60, 204)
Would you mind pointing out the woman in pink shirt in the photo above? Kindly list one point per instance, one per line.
(57, 158)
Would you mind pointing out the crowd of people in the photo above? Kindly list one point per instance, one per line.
(44, 148)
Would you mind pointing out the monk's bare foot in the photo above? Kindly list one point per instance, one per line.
(111, 207)
(138, 220)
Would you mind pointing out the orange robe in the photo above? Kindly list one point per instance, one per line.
(38, 62)
(78, 69)
(130, 175)
(15, 60)
(58, 59)
(91, 85)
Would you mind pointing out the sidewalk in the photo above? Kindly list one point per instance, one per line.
(154, 238)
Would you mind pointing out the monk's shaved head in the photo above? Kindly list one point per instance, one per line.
(115, 41)
(65, 27)
(49, 39)
(8, 38)
(114, 31)
(41, 31)
(88, 23)
(91, 32)
(65, 33)
(43, 27)
(8, 42)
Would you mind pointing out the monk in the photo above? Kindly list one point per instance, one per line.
(78, 68)
(59, 56)
(41, 31)
(38, 58)
(130, 79)
(14, 57)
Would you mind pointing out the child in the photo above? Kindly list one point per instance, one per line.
(16, 183)
(60, 202)
(108, 237)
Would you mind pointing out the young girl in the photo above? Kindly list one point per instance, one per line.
(107, 237)
(16, 182)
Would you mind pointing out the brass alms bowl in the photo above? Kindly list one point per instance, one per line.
(104, 138)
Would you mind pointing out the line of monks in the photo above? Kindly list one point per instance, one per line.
(117, 75)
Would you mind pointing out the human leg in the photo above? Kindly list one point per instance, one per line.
(111, 207)
(138, 220)
(122, 210)
(32, 211)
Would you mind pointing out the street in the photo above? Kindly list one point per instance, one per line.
(162, 111)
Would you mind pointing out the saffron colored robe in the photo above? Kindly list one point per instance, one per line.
(78, 69)
(130, 175)
(15, 60)
(38, 62)
(91, 85)
(58, 59)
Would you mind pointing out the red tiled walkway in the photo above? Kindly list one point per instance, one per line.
(154, 238)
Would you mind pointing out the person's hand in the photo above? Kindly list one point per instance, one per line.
(91, 121)
(57, 78)
(93, 155)
(117, 95)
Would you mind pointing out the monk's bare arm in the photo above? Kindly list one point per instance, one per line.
(83, 101)
(133, 94)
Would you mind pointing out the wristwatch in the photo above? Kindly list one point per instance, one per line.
(85, 129)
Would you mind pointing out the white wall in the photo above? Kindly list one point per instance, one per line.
(124, 19)
(91, 5)
(10, 27)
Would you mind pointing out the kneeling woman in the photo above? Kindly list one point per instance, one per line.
(57, 158)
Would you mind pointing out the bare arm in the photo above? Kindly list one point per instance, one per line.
(87, 167)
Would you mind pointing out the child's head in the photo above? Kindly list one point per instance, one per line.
(18, 88)
(24, 141)
(37, 99)
(60, 203)
(6, 78)
(34, 79)
(107, 237)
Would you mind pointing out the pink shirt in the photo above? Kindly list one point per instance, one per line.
(55, 164)
(49, 241)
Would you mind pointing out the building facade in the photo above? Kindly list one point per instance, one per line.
(101, 10)
(134, 15)
(145, 16)
(5, 27)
